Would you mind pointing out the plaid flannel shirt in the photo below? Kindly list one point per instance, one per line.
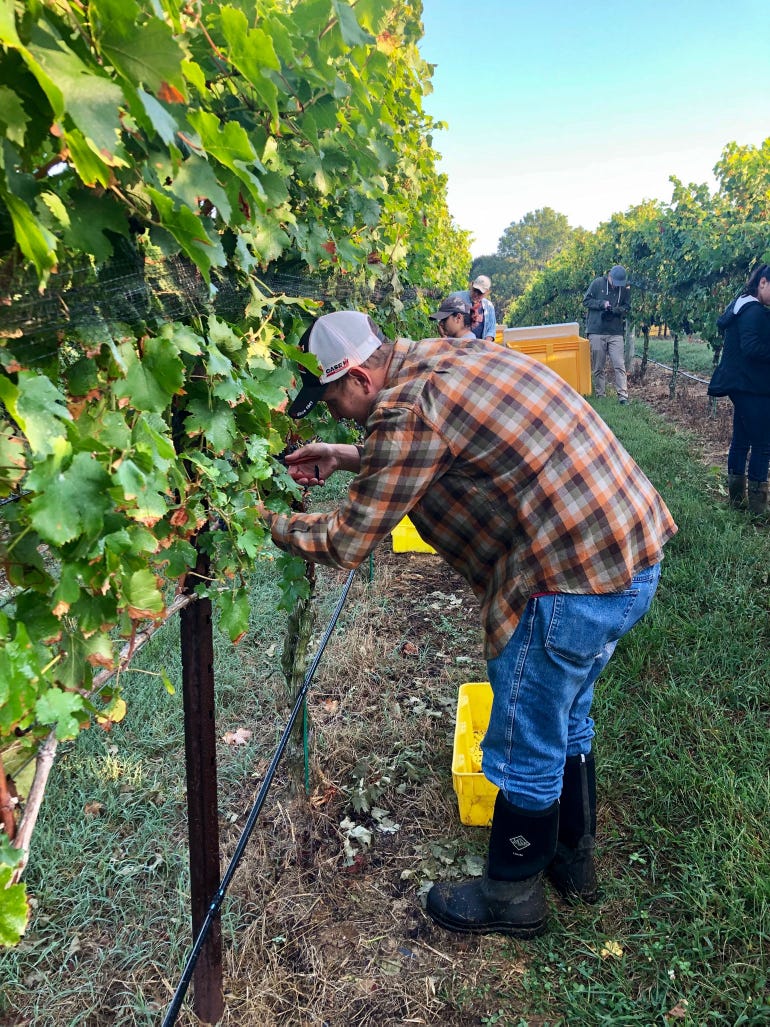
(505, 470)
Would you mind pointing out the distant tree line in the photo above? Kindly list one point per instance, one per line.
(686, 259)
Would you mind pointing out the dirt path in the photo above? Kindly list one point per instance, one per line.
(690, 410)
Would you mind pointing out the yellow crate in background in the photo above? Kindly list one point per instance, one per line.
(559, 346)
(475, 795)
(406, 539)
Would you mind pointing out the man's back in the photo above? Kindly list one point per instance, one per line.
(520, 484)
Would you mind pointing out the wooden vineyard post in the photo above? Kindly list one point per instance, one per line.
(197, 645)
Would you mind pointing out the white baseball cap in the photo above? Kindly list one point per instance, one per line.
(482, 283)
(338, 341)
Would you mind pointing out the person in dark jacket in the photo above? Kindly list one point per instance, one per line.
(743, 374)
(608, 301)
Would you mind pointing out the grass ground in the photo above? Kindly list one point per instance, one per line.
(324, 927)
(694, 354)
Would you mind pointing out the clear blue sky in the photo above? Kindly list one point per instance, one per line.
(588, 107)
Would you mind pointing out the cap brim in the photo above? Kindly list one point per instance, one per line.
(312, 392)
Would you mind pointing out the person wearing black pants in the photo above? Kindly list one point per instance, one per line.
(743, 374)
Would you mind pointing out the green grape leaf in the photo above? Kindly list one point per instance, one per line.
(93, 170)
(178, 558)
(143, 596)
(71, 501)
(145, 52)
(38, 408)
(59, 708)
(8, 33)
(160, 119)
(186, 228)
(228, 143)
(152, 381)
(90, 217)
(234, 614)
(12, 116)
(196, 181)
(216, 424)
(91, 99)
(143, 491)
(18, 682)
(352, 32)
(35, 242)
(250, 50)
(14, 909)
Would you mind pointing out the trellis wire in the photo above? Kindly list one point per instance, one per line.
(216, 902)
(134, 289)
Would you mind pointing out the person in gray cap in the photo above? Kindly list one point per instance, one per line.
(483, 317)
(608, 299)
(454, 319)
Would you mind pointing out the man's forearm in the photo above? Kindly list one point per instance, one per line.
(348, 457)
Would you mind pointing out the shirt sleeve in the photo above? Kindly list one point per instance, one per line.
(402, 455)
(754, 333)
(590, 300)
(490, 320)
(623, 307)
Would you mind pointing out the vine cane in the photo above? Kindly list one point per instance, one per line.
(216, 902)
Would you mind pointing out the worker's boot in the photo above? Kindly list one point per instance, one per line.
(757, 497)
(572, 871)
(510, 897)
(736, 490)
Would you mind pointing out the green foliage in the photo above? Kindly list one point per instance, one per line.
(524, 248)
(531, 242)
(201, 146)
(686, 259)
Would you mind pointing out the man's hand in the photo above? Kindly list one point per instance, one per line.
(314, 463)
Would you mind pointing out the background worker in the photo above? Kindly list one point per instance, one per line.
(483, 317)
(523, 489)
(454, 319)
(743, 374)
(608, 299)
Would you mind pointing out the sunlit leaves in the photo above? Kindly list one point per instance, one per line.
(198, 147)
(38, 408)
(142, 50)
(34, 240)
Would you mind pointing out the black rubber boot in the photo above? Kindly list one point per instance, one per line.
(572, 871)
(757, 495)
(509, 898)
(736, 490)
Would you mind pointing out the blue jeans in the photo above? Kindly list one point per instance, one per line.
(751, 435)
(543, 686)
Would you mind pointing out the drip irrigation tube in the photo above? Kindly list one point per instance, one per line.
(680, 373)
(216, 902)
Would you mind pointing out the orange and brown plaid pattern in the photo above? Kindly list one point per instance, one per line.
(508, 473)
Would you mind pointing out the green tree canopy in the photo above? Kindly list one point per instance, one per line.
(531, 242)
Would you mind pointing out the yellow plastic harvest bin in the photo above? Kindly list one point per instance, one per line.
(475, 795)
(406, 539)
(560, 346)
